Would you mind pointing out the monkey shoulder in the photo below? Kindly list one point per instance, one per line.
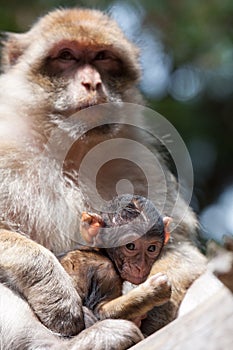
(93, 274)
(103, 272)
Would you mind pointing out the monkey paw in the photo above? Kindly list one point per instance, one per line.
(160, 287)
(89, 226)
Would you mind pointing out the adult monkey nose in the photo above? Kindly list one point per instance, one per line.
(90, 78)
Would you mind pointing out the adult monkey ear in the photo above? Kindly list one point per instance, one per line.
(166, 221)
(90, 226)
(12, 47)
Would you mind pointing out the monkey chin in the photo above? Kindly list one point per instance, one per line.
(135, 279)
(87, 105)
(68, 112)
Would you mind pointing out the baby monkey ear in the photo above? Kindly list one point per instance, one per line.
(166, 221)
(90, 226)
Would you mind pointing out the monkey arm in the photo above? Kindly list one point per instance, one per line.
(21, 329)
(182, 263)
(34, 272)
(153, 292)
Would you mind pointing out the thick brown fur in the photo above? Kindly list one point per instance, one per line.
(99, 274)
(36, 198)
(100, 287)
(21, 330)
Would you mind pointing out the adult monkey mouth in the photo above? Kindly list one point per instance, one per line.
(85, 105)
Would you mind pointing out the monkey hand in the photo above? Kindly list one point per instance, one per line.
(158, 287)
(90, 226)
(34, 272)
(155, 291)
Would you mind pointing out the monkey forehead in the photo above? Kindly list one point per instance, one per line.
(121, 235)
(86, 26)
(132, 208)
(131, 231)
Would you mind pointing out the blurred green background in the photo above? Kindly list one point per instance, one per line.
(187, 59)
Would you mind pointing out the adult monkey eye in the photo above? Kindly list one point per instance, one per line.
(66, 56)
(102, 55)
(130, 246)
(152, 248)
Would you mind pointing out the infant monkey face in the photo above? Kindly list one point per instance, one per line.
(135, 259)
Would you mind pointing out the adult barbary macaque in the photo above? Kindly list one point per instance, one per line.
(69, 60)
(99, 273)
(66, 62)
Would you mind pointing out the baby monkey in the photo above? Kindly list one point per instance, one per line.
(133, 234)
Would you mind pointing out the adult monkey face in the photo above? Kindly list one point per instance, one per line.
(70, 55)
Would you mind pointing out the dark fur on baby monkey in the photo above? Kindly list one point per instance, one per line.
(100, 273)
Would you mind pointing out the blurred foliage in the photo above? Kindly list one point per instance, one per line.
(196, 34)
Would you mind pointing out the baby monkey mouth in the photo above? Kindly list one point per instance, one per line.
(136, 280)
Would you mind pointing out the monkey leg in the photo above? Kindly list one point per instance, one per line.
(21, 330)
(34, 272)
(183, 264)
(108, 334)
(156, 290)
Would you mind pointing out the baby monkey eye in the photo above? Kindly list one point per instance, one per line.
(152, 248)
(130, 246)
(66, 55)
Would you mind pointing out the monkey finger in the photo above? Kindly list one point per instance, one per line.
(92, 219)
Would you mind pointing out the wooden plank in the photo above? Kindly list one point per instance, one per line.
(209, 326)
